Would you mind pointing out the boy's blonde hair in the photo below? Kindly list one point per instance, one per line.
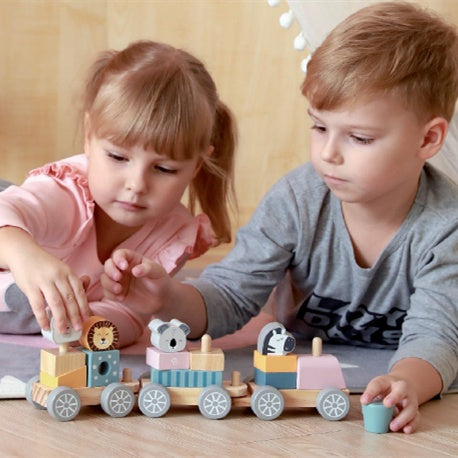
(388, 47)
(163, 99)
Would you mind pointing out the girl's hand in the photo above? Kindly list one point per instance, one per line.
(130, 276)
(49, 282)
(397, 392)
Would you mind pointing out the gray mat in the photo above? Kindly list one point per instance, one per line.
(19, 363)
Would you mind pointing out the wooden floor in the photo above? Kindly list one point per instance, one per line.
(25, 431)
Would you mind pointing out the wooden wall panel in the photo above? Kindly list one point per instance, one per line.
(46, 47)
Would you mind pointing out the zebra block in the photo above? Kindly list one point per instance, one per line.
(102, 367)
(280, 380)
(186, 378)
(275, 363)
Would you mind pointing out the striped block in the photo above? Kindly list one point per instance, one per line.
(186, 378)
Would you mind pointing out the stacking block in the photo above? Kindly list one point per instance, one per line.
(275, 363)
(207, 358)
(102, 367)
(99, 334)
(278, 380)
(54, 363)
(72, 379)
(162, 360)
(317, 372)
(187, 378)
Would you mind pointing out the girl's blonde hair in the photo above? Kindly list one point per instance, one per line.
(163, 99)
(389, 47)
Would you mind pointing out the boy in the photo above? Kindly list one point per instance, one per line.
(368, 232)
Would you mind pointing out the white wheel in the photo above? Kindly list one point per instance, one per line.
(117, 400)
(154, 400)
(63, 403)
(332, 404)
(267, 402)
(214, 402)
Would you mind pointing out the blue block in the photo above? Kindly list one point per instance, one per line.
(186, 378)
(103, 367)
(281, 380)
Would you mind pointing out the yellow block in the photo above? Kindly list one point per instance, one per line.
(73, 379)
(206, 361)
(275, 363)
(54, 363)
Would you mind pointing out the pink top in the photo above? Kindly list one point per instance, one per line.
(55, 206)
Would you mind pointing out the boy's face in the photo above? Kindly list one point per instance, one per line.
(369, 152)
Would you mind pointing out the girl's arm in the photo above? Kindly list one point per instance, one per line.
(131, 277)
(44, 279)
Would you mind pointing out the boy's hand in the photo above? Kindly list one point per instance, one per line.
(397, 392)
(130, 276)
(49, 282)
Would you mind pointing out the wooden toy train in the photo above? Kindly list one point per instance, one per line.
(90, 375)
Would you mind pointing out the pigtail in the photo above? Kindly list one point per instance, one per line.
(213, 186)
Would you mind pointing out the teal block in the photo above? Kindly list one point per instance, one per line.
(186, 378)
(103, 367)
(281, 380)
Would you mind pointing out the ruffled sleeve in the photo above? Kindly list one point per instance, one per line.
(53, 204)
(174, 240)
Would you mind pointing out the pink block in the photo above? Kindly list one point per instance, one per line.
(317, 372)
(162, 360)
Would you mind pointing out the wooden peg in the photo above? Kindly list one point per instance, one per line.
(317, 346)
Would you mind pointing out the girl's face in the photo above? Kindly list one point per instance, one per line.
(368, 153)
(133, 186)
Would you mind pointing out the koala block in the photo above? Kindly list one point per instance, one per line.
(54, 363)
(187, 378)
(317, 372)
(73, 379)
(285, 380)
(169, 336)
(275, 363)
(165, 361)
(103, 367)
(206, 361)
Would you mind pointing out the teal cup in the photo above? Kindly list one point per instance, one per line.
(377, 417)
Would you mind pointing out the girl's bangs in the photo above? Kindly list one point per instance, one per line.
(170, 126)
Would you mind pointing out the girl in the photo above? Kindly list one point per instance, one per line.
(154, 127)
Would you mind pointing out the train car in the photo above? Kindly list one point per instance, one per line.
(88, 375)
(282, 379)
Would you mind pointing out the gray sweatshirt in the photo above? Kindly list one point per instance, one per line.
(407, 300)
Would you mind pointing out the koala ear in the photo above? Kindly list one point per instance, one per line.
(183, 326)
(154, 324)
(162, 328)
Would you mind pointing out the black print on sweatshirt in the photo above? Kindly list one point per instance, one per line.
(358, 325)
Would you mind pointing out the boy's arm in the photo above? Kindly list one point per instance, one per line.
(134, 279)
(410, 383)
